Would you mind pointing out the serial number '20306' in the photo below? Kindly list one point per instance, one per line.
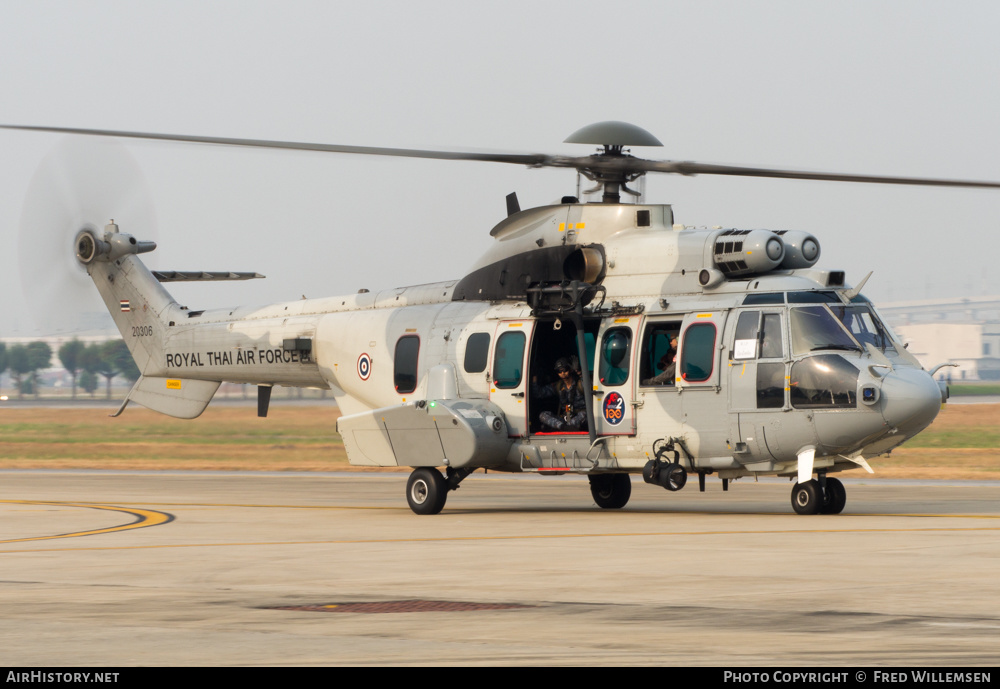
(142, 331)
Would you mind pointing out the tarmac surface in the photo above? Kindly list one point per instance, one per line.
(171, 568)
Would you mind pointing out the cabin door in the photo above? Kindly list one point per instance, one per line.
(614, 377)
(508, 380)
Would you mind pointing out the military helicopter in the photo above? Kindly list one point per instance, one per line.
(717, 352)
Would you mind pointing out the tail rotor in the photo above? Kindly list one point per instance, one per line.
(81, 185)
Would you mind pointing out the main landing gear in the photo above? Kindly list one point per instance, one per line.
(823, 496)
(427, 490)
(610, 491)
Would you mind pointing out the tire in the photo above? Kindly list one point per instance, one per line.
(806, 498)
(835, 498)
(426, 491)
(611, 491)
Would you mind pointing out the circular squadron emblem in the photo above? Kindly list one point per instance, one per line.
(614, 408)
(364, 366)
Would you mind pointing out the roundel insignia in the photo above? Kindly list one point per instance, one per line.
(364, 366)
(614, 408)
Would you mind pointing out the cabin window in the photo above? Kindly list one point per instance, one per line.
(656, 362)
(698, 353)
(615, 353)
(508, 360)
(405, 364)
(477, 350)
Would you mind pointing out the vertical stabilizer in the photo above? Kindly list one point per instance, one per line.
(141, 308)
(138, 303)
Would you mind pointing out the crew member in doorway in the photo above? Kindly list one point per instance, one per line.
(572, 411)
(668, 364)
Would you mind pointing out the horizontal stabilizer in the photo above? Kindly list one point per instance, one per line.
(178, 397)
(201, 275)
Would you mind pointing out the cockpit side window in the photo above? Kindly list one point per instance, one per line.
(772, 346)
(747, 335)
(770, 385)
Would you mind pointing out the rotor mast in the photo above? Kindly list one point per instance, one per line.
(612, 168)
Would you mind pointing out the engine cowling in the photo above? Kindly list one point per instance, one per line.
(747, 252)
(801, 249)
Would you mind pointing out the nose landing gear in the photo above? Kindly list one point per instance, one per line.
(823, 496)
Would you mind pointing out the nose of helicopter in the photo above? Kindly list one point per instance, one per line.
(910, 400)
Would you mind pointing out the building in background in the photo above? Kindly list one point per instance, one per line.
(965, 332)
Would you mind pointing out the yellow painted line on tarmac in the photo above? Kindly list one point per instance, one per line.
(143, 518)
(519, 537)
(579, 510)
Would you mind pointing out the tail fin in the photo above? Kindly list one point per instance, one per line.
(138, 303)
(142, 309)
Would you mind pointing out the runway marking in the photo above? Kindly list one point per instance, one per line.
(143, 518)
(581, 510)
(517, 537)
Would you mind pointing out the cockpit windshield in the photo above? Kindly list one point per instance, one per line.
(815, 327)
(863, 324)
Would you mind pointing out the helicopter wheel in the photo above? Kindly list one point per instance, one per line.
(426, 491)
(611, 491)
(835, 498)
(806, 498)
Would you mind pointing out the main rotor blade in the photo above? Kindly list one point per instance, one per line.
(518, 159)
(612, 166)
(690, 168)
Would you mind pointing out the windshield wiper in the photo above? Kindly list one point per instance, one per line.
(836, 346)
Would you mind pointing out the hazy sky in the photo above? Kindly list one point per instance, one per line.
(897, 88)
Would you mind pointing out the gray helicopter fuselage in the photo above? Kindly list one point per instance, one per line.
(775, 362)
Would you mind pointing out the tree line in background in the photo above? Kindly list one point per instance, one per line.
(83, 362)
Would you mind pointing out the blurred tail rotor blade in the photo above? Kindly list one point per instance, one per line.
(81, 183)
